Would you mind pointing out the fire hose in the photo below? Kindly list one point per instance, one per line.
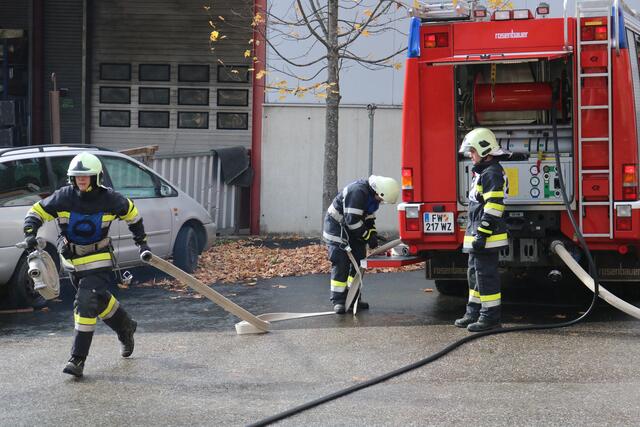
(252, 324)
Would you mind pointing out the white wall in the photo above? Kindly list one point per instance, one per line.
(292, 161)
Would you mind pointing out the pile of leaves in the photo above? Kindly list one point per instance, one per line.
(251, 259)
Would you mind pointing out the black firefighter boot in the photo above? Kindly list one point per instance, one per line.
(75, 366)
(484, 324)
(125, 335)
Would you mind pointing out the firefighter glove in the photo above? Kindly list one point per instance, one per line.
(144, 247)
(373, 240)
(31, 241)
(479, 243)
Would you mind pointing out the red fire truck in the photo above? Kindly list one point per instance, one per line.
(505, 70)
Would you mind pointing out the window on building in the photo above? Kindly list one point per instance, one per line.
(115, 72)
(153, 119)
(154, 72)
(193, 73)
(153, 95)
(129, 179)
(115, 118)
(193, 96)
(115, 95)
(233, 97)
(229, 120)
(193, 120)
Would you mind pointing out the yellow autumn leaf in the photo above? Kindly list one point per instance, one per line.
(321, 95)
(257, 42)
(214, 36)
(282, 91)
(250, 41)
(365, 33)
(368, 12)
(247, 53)
(221, 18)
(397, 65)
(212, 24)
(357, 26)
(260, 74)
(300, 94)
(235, 71)
(282, 97)
(206, 7)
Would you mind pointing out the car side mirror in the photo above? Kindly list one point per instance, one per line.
(165, 190)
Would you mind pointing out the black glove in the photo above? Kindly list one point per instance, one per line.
(373, 240)
(64, 248)
(479, 243)
(31, 241)
(144, 247)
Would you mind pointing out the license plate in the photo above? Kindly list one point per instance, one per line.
(438, 222)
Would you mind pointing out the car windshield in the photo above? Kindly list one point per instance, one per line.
(23, 182)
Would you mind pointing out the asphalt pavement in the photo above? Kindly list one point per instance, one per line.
(190, 368)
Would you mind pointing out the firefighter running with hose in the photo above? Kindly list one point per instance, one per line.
(84, 211)
(486, 231)
(350, 221)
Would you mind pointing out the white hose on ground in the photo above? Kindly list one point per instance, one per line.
(558, 247)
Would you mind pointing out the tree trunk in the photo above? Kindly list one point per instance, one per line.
(330, 170)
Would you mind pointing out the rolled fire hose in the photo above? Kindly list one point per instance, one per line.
(558, 247)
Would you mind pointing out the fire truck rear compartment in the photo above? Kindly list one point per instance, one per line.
(513, 99)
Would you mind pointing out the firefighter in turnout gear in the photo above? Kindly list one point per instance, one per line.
(350, 222)
(486, 231)
(84, 211)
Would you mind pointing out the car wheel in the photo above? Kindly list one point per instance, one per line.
(20, 290)
(455, 288)
(186, 250)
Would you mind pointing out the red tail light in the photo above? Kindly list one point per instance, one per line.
(407, 184)
(623, 224)
(436, 40)
(593, 30)
(412, 224)
(629, 182)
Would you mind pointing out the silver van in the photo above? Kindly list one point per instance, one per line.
(176, 225)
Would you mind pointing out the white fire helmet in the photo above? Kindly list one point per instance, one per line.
(483, 141)
(387, 188)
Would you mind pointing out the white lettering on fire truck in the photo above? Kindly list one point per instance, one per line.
(513, 35)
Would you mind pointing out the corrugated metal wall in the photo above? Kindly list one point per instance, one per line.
(63, 26)
(169, 32)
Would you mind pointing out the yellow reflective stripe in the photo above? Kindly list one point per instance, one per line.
(494, 238)
(39, 210)
(502, 236)
(84, 320)
(496, 206)
(484, 230)
(493, 297)
(131, 214)
(479, 188)
(367, 234)
(350, 279)
(105, 256)
(338, 284)
(108, 217)
(107, 310)
(63, 214)
(474, 293)
(492, 194)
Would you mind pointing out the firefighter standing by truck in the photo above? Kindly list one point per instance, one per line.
(350, 221)
(486, 231)
(84, 211)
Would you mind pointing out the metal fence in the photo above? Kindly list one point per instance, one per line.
(199, 175)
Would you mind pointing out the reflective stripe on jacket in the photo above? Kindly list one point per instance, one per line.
(84, 220)
(486, 207)
(351, 214)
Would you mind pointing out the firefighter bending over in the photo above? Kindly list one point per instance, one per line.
(84, 211)
(486, 231)
(350, 221)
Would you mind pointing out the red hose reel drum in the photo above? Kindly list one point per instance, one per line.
(512, 97)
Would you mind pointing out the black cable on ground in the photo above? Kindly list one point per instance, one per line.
(296, 410)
